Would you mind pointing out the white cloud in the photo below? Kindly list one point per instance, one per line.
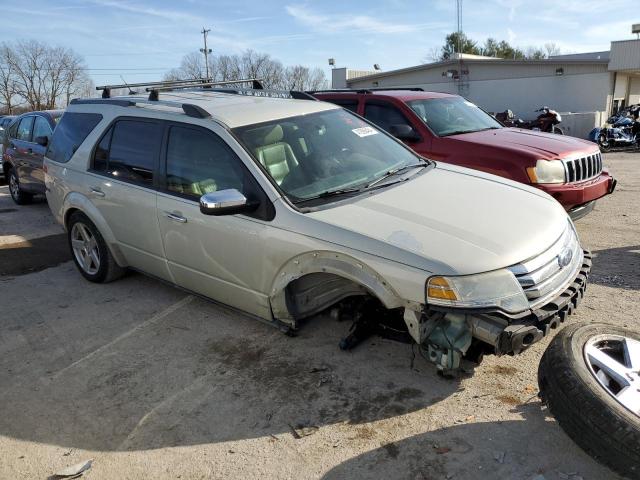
(512, 35)
(361, 23)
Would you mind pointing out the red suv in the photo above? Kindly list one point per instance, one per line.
(452, 129)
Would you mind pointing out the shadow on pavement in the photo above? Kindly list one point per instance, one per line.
(33, 255)
(500, 450)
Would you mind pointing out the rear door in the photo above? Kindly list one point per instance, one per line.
(121, 183)
(41, 128)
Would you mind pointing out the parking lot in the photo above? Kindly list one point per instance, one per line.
(150, 381)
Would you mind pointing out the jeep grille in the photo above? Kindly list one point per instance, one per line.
(583, 168)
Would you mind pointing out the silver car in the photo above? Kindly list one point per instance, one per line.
(285, 208)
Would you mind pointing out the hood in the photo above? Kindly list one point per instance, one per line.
(541, 145)
(449, 220)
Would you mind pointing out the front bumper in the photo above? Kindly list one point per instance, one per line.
(511, 334)
(575, 195)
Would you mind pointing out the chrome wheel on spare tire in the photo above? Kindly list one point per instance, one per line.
(85, 248)
(589, 377)
(614, 361)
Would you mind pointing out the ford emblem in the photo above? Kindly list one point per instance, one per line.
(565, 257)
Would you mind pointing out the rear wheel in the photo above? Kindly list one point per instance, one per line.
(17, 194)
(90, 252)
(590, 379)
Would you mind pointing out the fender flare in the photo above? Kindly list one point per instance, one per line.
(329, 262)
(77, 201)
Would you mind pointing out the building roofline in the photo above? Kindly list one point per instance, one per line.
(497, 61)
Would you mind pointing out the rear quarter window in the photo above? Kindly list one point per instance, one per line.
(69, 134)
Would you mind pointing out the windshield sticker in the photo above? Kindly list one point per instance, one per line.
(364, 131)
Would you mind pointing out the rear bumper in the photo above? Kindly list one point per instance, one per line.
(575, 195)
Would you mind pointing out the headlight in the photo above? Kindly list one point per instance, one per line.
(499, 288)
(547, 171)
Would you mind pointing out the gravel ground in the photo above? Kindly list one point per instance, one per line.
(150, 382)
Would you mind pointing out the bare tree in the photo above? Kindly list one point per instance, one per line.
(552, 49)
(250, 64)
(42, 76)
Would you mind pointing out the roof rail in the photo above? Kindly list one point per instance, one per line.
(169, 84)
(188, 108)
(366, 90)
(257, 91)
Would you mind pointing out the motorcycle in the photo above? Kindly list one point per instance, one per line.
(547, 121)
(622, 130)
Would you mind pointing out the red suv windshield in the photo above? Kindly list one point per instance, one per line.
(452, 116)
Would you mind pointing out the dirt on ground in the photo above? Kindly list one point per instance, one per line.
(151, 382)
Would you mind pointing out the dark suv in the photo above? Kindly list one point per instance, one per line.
(25, 143)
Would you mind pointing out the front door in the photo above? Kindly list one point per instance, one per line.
(22, 150)
(221, 257)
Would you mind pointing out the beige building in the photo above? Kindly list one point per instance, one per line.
(590, 85)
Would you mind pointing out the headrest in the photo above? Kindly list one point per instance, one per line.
(266, 135)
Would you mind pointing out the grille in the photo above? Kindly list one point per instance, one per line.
(542, 277)
(583, 168)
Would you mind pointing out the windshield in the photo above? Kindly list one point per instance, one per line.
(452, 115)
(309, 156)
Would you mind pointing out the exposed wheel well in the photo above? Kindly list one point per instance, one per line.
(315, 292)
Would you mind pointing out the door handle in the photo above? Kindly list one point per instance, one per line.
(175, 217)
(97, 192)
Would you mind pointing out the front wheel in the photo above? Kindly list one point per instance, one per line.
(604, 143)
(17, 194)
(589, 377)
(90, 252)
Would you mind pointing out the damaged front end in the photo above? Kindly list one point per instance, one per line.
(449, 335)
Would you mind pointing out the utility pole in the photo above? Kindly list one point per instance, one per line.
(459, 22)
(206, 50)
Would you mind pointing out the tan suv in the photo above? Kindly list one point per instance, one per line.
(286, 207)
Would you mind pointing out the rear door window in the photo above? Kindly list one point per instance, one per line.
(24, 129)
(41, 128)
(384, 115)
(72, 130)
(129, 151)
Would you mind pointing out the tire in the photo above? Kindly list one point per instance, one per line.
(90, 252)
(591, 415)
(17, 194)
(603, 143)
(557, 130)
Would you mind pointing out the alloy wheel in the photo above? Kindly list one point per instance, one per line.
(14, 188)
(85, 248)
(614, 361)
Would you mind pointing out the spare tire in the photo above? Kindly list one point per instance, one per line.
(589, 378)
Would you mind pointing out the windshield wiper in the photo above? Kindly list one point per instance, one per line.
(396, 171)
(459, 132)
(329, 193)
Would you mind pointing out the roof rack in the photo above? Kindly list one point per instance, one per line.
(257, 92)
(171, 84)
(366, 90)
(188, 108)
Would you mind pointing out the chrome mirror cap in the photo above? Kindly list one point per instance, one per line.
(223, 202)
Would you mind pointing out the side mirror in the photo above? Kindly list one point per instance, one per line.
(225, 202)
(404, 132)
(44, 141)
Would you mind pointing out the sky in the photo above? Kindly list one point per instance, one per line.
(142, 39)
